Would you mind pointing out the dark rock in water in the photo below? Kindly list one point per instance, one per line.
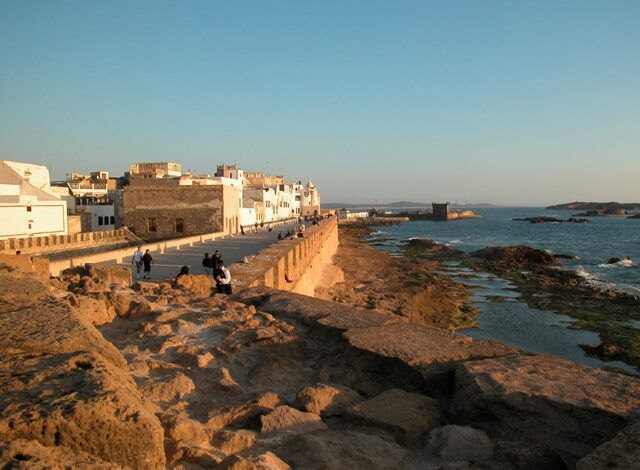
(540, 220)
(423, 245)
(564, 256)
(613, 260)
(578, 221)
(516, 256)
(635, 216)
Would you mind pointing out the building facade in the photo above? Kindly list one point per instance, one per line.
(28, 206)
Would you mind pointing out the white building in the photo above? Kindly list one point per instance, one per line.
(93, 201)
(28, 206)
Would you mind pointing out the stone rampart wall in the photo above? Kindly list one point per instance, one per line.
(56, 243)
(291, 265)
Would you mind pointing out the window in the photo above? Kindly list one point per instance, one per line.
(99, 220)
(112, 220)
(179, 225)
(28, 208)
(151, 224)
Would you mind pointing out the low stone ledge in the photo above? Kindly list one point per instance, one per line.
(431, 351)
(569, 407)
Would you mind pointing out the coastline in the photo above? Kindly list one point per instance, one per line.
(407, 286)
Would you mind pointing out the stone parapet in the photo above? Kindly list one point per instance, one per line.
(291, 265)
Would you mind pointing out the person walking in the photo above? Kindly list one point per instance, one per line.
(147, 260)
(137, 259)
(222, 277)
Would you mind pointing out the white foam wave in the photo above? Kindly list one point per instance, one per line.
(453, 242)
(622, 263)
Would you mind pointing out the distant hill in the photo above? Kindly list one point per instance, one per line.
(592, 206)
(394, 205)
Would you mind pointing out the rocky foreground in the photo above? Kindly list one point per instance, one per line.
(96, 374)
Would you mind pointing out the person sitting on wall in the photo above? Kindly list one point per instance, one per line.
(222, 277)
(184, 270)
(301, 232)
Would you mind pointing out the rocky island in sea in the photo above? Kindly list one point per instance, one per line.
(100, 372)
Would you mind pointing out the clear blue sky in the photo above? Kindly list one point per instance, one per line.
(508, 102)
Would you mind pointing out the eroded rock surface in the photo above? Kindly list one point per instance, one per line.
(567, 406)
(25, 454)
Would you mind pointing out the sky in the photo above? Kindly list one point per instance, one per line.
(505, 102)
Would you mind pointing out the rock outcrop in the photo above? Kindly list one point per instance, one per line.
(24, 454)
(532, 395)
(623, 451)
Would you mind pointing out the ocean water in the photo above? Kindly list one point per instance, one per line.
(503, 316)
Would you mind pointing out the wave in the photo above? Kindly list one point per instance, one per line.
(453, 242)
(621, 263)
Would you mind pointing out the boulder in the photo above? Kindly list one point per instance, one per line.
(241, 415)
(327, 400)
(53, 327)
(406, 415)
(459, 443)
(344, 449)
(23, 454)
(96, 311)
(179, 427)
(184, 454)
(19, 290)
(109, 275)
(81, 401)
(623, 451)
(168, 388)
(197, 284)
(285, 419)
(232, 442)
(432, 351)
(533, 396)
(518, 256)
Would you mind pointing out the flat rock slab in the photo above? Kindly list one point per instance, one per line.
(569, 407)
(432, 351)
(309, 310)
(406, 415)
(623, 451)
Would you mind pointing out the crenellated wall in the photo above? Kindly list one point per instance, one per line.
(294, 265)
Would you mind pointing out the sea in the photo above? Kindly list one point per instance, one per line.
(503, 316)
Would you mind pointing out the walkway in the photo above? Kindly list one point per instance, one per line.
(233, 250)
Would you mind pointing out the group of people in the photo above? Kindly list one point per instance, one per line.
(213, 266)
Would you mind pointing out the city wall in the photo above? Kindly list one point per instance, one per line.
(297, 265)
(58, 243)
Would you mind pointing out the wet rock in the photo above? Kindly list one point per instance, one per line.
(345, 449)
(327, 400)
(515, 256)
(285, 419)
(406, 415)
(81, 401)
(23, 454)
(623, 451)
(459, 443)
(199, 284)
(266, 461)
(533, 396)
(431, 351)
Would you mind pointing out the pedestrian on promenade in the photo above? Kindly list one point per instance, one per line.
(222, 277)
(207, 264)
(147, 260)
(137, 259)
